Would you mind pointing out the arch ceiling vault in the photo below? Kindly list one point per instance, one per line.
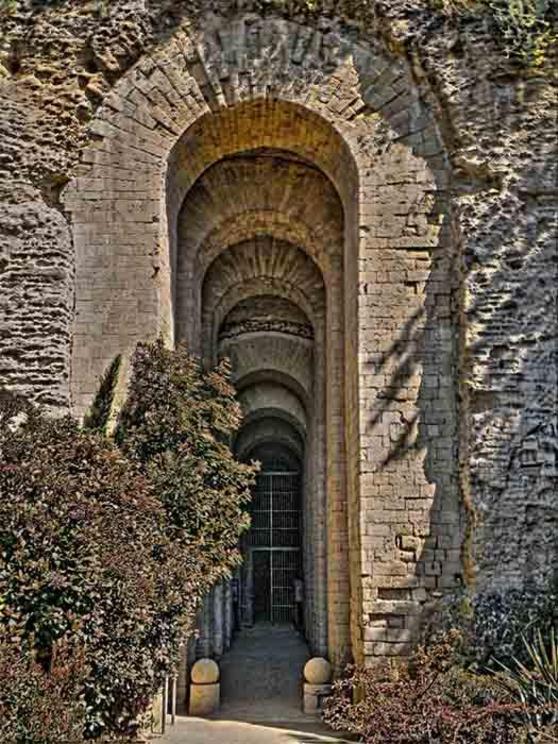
(267, 191)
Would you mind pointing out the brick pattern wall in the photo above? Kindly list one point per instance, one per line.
(359, 119)
(444, 162)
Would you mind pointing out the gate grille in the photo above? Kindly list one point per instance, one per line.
(275, 535)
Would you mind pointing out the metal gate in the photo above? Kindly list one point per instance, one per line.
(274, 544)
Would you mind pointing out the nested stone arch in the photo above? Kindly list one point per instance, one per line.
(245, 186)
(275, 428)
(383, 155)
(265, 452)
(286, 355)
(234, 131)
(278, 377)
(259, 222)
(259, 267)
(264, 258)
(266, 183)
(263, 399)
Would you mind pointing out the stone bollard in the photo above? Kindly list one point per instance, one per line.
(204, 688)
(317, 684)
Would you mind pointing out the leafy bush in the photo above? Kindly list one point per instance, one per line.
(110, 548)
(78, 526)
(37, 707)
(493, 623)
(177, 424)
(429, 699)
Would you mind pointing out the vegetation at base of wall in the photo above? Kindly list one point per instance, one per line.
(535, 682)
(428, 699)
(107, 549)
(487, 671)
(494, 623)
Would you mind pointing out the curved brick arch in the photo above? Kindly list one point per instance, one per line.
(251, 191)
(257, 182)
(287, 355)
(260, 266)
(278, 377)
(275, 428)
(350, 85)
(265, 397)
(384, 157)
(259, 222)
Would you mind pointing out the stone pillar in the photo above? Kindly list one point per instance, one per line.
(317, 684)
(182, 681)
(228, 614)
(204, 644)
(204, 688)
(218, 620)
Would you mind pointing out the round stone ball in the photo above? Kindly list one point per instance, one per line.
(317, 671)
(205, 672)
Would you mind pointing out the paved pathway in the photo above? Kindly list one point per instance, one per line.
(260, 695)
(261, 676)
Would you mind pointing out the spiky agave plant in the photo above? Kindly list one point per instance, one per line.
(536, 684)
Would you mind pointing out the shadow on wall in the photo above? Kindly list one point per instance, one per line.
(504, 432)
(417, 549)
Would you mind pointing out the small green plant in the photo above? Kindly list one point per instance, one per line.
(535, 684)
(526, 27)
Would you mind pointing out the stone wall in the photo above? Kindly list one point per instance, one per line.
(442, 152)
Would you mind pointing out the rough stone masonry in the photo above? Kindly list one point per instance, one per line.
(357, 203)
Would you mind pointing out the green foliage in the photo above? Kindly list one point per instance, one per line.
(428, 699)
(527, 28)
(493, 623)
(177, 423)
(37, 707)
(98, 415)
(535, 683)
(78, 526)
(110, 548)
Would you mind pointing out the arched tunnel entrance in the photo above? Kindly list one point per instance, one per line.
(260, 249)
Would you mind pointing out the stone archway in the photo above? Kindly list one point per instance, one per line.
(274, 306)
(340, 117)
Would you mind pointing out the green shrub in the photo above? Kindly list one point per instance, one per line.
(78, 526)
(37, 707)
(112, 548)
(427, 699)
(177, 424)
(493, 623)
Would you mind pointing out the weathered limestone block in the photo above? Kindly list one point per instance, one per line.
(313, 697)
(204, 699)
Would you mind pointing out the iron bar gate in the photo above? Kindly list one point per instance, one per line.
(275, 544)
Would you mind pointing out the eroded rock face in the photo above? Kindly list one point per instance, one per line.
(79, 77)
